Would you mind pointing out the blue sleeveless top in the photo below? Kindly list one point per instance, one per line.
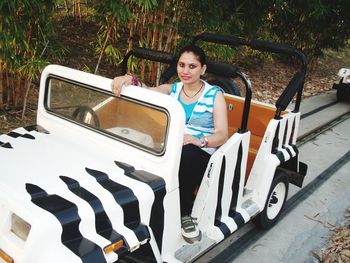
(188, 108)
(201, 121)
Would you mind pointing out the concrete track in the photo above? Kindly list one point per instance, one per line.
(303, 226)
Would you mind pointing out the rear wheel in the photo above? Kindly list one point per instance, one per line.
(275, 201)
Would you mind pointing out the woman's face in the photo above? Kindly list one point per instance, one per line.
(189, 68)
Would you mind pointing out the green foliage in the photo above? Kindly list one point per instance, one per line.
(23, 24)
(113, 54)
(113, 16)
(24, 30)
(310, 25)
(26, 27)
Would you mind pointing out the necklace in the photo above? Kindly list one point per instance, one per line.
(183, 89)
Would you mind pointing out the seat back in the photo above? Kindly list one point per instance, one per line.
(259, 118)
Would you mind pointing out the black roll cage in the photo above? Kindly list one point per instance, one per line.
(217, 68)
(295, 85)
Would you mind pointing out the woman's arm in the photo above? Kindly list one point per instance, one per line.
(220, 135)
(120, 81)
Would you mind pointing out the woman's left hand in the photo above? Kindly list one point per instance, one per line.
(119, 82)
(189, 139)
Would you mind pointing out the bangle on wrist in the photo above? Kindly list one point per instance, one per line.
(204, 141)
(134, 80)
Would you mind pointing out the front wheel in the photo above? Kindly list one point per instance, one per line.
(275, 201)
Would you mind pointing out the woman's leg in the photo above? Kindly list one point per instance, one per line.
(193, 163)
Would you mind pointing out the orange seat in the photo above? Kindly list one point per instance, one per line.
(259, 117)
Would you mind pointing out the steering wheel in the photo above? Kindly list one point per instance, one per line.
(81, 112)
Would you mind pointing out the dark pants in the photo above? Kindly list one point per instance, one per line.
(193, 163)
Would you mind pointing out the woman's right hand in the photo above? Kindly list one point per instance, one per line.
(119, 82)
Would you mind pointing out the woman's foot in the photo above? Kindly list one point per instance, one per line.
(190, 230)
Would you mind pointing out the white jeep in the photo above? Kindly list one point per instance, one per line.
(96, 179)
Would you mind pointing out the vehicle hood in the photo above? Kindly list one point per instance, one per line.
(31, 157)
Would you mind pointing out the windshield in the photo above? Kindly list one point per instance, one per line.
(136, 123)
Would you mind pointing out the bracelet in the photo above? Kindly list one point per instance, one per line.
(134, 80)
(204, 141)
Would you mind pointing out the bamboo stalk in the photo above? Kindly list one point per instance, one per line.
(17, 90)
(1, 83)
(160, 38)
(74, 9)
(149, 32)
(27, 88)
(155, 31)
(148, 42)
(162, 22)
(171, 36)
(7, 89)
(104, 44)
(140, 24)
(131, 33)
(86, 8)
(79, 11)
(153, 67)
(12, 90)
(67, 7)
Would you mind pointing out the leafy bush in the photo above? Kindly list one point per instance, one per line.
(24, 30)
(310, 25)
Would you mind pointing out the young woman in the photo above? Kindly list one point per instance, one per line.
(206, 126)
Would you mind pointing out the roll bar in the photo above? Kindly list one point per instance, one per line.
(295, 85)
(217, 68)
(148, 54)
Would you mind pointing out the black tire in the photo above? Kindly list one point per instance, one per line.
(275, 201)
(227, 84)
(81, 112)
(343, 92)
